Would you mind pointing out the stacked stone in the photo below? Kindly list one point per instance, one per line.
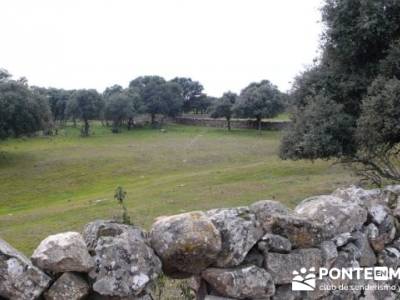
(251, 252)
(110, 261)
(233, 253)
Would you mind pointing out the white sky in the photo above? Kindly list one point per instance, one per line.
(224, 44)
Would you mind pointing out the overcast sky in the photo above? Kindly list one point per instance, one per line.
(224, 44)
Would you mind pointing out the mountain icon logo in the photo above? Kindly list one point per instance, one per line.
(304, 280)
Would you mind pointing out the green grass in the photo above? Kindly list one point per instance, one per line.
(281, 117)
(55, 184)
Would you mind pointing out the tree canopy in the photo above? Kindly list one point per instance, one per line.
(378, 132)
(191, 93)
(159, 97)
(58, 99)
(224, 107)
(22, 112)
(86, 105)
(259, 100)
(360, 43)
(122, 106)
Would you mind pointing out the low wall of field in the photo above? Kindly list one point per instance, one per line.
(241, 124)
(328, 247)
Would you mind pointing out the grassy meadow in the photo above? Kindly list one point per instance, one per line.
(55, 184)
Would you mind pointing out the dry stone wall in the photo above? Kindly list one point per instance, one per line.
(252, 252)
(221, 123)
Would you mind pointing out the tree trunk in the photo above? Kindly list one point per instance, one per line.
(162, 121)
(130, 123)
(74, 121)
(153, 119)
(115, 126)
(86, 127)
(229, 123)
(259, 125)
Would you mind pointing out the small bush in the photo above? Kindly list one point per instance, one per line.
(120, 195)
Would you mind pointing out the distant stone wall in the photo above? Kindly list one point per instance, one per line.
(221, 123)
(261, 251)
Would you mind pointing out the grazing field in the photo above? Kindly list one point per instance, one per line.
(54, 184)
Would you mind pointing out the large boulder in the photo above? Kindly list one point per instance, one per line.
(396, 244)
(63, 252)
(284, 292)
(93, 231)
(378, 213)
(359, 195)
(367, 258)
(336, 215)
(239, 230)
(393, 195)
(282, 266)
(382, 217)
(125, 265)
(393, 188)
(329, 253)
(342, 239)
(300, 231)
(376, 241)
(69, 286)
(187, 243)
(266, 210)
(19, 279)
(198, 285)
(353, 251)
(274, 243)
(277, 219)
(396, 209)
(248, 282)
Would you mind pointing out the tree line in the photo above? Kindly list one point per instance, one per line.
(28, 109)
